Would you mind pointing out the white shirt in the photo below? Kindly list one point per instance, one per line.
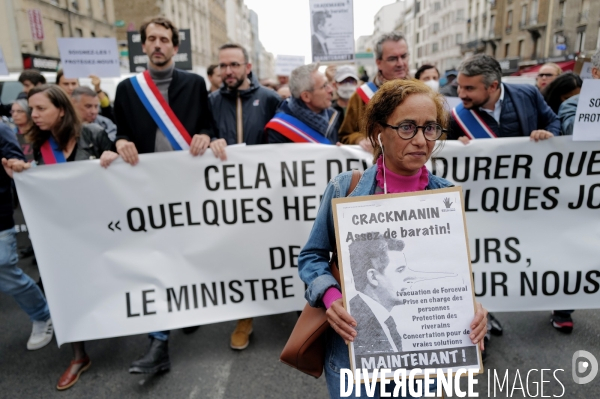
(497, 107)
(381, 314)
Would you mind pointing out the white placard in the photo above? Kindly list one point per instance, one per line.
(82, 57)
(332, 30)
(586, 70)
(3, 67)
(176, 241)
(452, 102)
(406, 276)
(587, 119)
(285, 64)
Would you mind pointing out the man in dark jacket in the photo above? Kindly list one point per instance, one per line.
(141, 131)
(241, 107)
(12, 279)
(491, 108)
(307, 116)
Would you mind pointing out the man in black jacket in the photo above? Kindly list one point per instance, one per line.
(139, 132)
(241, 108)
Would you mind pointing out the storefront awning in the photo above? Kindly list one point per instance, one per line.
(533, 70)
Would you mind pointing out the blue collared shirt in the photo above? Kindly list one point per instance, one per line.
(497, 107)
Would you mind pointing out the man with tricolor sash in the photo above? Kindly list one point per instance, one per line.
(493, 109)
(307, 116)
(161, 109)
(392, 59)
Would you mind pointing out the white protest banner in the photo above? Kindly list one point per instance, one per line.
(332, 30)
(3, 67)
(94, 56)
(176, 241)
(285, 64)
(587, 119)
(404, 263)
(532, 215)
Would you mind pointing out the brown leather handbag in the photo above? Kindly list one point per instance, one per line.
(305, 349)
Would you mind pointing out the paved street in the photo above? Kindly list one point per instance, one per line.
(205, 367)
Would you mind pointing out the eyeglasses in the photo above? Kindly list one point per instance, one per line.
(394, 60)
(408, 130)
(545, 75)
(16, 111)
(234, 66)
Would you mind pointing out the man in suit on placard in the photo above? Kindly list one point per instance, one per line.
(380, 272)
(321, 26)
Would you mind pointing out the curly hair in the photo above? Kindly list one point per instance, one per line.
(68, 127)
(385, 101)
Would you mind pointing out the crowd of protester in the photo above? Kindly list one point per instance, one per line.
(75, 123)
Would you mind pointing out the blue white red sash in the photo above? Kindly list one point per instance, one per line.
(51, 153)
(161, 112)
(295, 130)
(367, 91)
(471, 124)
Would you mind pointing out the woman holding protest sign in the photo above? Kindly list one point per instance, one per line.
(58, 136)
(403, 121)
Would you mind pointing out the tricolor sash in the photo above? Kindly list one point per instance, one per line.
(295, 130)
(51, 153)
(367, 91)
(471, 124)
(161, 112)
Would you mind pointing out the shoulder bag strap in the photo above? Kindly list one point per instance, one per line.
(333, 262)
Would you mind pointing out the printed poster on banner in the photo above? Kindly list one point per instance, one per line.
(3, 67)
(138, 60)
(82, 57)
(406, 279)
(332, 30)
(285, 64)
(587, 119)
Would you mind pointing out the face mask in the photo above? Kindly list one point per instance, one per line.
(443, 81)
(346, 91)
(434, 84)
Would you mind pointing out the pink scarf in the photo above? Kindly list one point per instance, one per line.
(401, 184)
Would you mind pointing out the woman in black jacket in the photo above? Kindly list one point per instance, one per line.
(59, 136)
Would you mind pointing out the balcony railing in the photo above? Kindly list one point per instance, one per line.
(583, 16)
(522, 25)
(559, 23)
(508, 30)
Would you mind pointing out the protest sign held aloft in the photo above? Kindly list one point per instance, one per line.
(81, 57)
(332, 30)
(587, 119)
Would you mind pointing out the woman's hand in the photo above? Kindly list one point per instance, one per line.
(127, 150)
(479, 325)
(107, 157)
(200, 143)
(14, 165)
(341, 321)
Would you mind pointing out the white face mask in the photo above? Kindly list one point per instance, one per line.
(345, 91)
(434, 84)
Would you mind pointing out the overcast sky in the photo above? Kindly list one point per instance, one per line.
(284, 25)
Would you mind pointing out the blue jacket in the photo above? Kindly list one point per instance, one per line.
(566, 115)
(313, 261)
(9, 148)
(532, 111)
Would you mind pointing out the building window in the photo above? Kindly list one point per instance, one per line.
(93, 34)
(436, 27)
(534, 12)
(506, 49)
(459, 38)
(523, 16)
(460, 15)
(598, 42)
(509, 21)
(103, 9)
(59, 29)
(417, 40)
(520, 49)
(580, 43)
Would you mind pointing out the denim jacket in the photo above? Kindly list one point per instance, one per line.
(313, 261)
